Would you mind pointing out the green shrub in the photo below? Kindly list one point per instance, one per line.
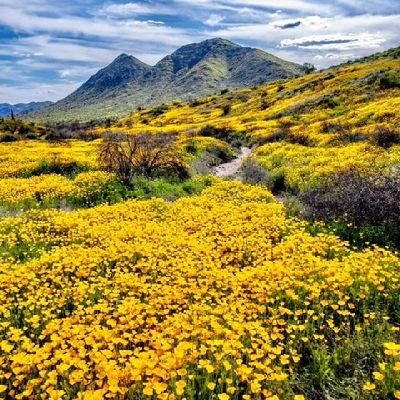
(8, 138)
(234, 138)
(55, 166)
(389, 82)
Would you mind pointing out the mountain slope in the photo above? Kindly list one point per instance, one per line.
(22, 108)
(192, 71)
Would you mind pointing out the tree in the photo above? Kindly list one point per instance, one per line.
(146, 155)
(308, 68)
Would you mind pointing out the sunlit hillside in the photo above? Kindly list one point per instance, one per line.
(169, 283)
(332, 114)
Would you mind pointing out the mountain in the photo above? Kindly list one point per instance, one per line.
(22, 108)
(192, 71)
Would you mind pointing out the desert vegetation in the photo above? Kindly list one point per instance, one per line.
(129, 272)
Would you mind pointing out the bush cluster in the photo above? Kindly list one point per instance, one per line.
(363, 205)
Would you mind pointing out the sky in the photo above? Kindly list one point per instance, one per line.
(48, 48)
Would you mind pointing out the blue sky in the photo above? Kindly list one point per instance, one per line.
(48, 48)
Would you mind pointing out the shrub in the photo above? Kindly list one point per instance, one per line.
(284, 133)
(202, 165)
(385, 137)
(264, 104)
(253, 172)
(226, 109)
(234, 138)
(157, 111)
(357, 202)
(212, 157)
(8, 138)
(342, 135)
(389, 82)
(74, 130)
(56, 166)
(222, 133)
(348, 137)
(142, 155)
(331, 127)
(298, 138)
(191, 147)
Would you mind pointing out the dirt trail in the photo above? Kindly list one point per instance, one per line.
(232, 168)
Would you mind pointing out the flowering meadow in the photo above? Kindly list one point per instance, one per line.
(218, 296)
(111, 292)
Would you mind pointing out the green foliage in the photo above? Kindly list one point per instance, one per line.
(234, 138)
(15, 129)
(338, 370)
(168, 189)
(55, 166)
(389, 82)
(193, 71)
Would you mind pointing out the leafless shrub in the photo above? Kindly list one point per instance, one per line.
(142, 155)
(358, 197)
(385, 137)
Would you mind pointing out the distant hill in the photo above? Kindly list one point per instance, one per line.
(191, 72)
(22, 108)
(391, 54)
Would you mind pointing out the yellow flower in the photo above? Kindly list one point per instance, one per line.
(223, 396)
(378, 376)
(148, 389)
(211, 386)
(299, 397)
(160, 387)
(3, 388)
(180, 387)
(227, 366)
(369, 386)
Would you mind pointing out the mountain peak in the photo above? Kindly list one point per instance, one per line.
(219, 41)
(192, 71)
(128, 59)
(123, 69)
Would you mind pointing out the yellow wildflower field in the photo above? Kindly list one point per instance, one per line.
(51, 188)
(217, 296)
(19, 157)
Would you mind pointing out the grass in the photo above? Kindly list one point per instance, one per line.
(168, 189)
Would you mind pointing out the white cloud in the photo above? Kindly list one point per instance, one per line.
(299, 6)
(36, 92)
(141, 31)
(336, 41)
(126, 10)
(76, 38)
(214, 20)
(362, 34)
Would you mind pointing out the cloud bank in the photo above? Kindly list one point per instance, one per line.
(47, 49)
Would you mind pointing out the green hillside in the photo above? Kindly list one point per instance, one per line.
(193, 71)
